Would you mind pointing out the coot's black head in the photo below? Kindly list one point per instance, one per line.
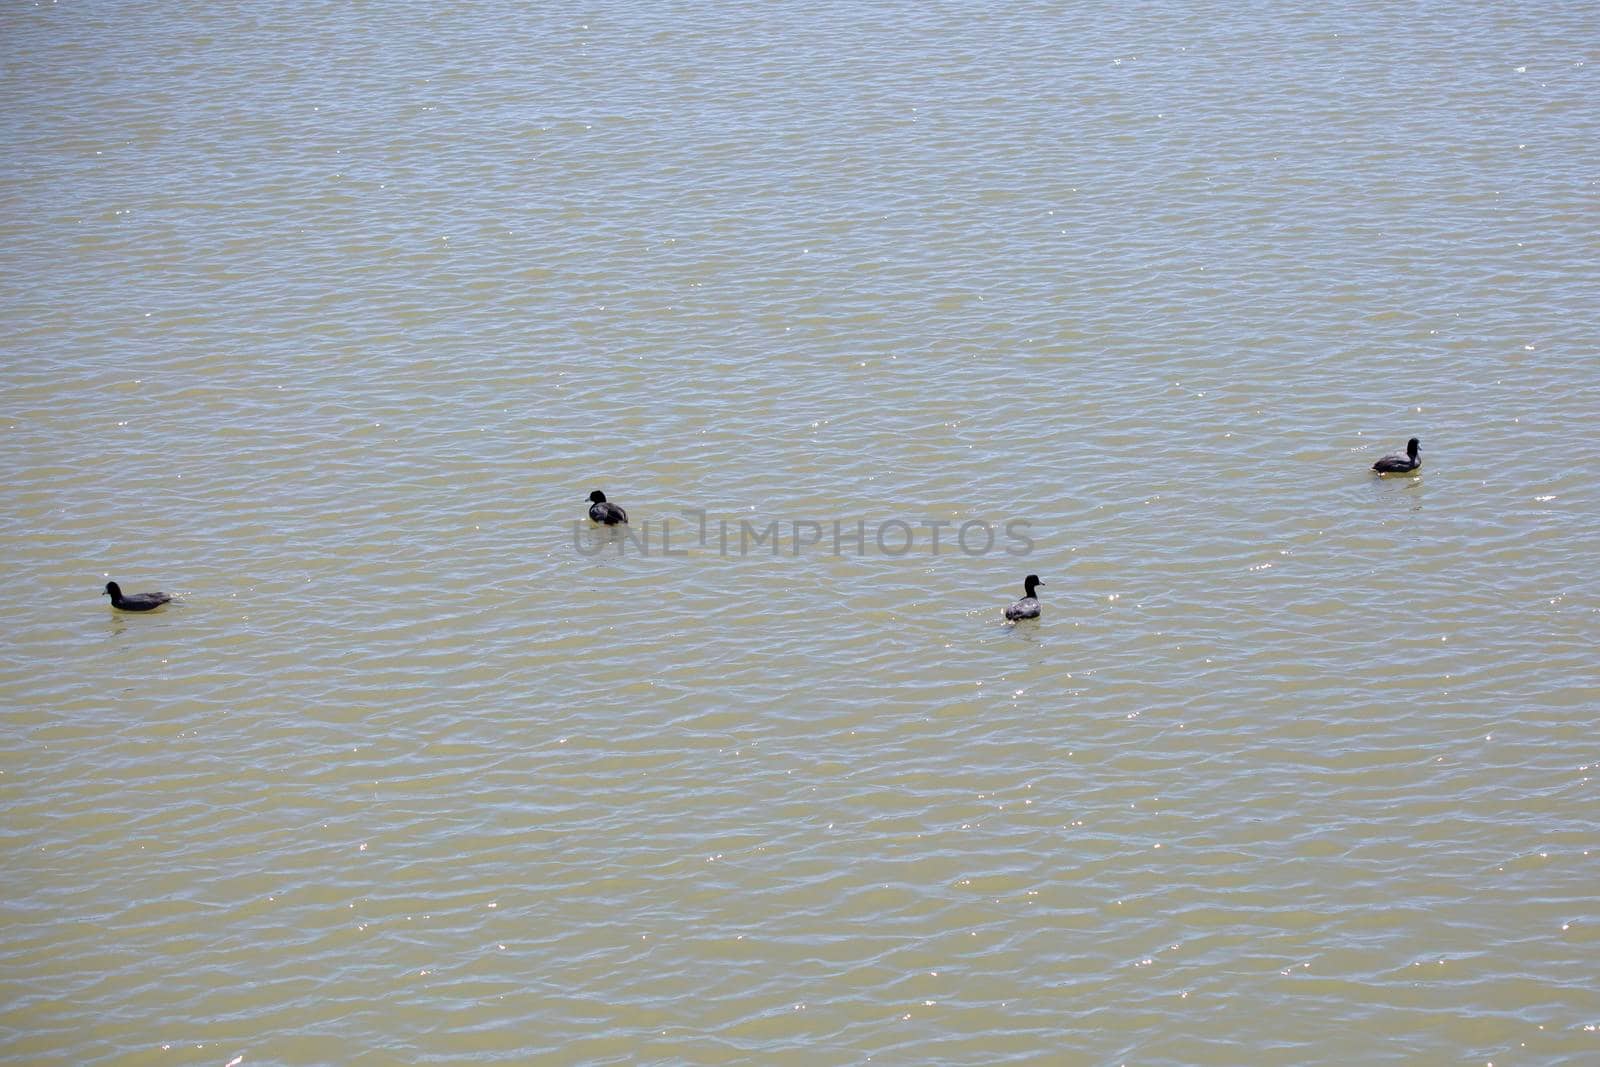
(113, 590)
(1412, 446)
(597, 497)
(1030, 583)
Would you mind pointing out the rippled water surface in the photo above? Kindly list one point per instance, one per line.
(328, 318)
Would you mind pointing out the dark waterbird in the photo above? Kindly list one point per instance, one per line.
(134, 601)
(604, 513)
(1028, 606)
(1398, 464)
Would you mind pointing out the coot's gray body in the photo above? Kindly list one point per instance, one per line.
(606, 514)
(1028, 606)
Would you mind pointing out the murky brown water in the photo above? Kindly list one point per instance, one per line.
(329, 318)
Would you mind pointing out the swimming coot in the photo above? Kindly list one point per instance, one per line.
(603, 513)
(1028, 606)
(1398, 464)
(134, 601)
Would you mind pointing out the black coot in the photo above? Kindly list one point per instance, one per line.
(134, 601)
(1397, 464)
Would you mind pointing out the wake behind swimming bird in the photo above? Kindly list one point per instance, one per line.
(603, 512)
(134, 601)
(1028, 606)
(1398, 464)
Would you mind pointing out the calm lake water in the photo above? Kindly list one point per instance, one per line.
(328, 318)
